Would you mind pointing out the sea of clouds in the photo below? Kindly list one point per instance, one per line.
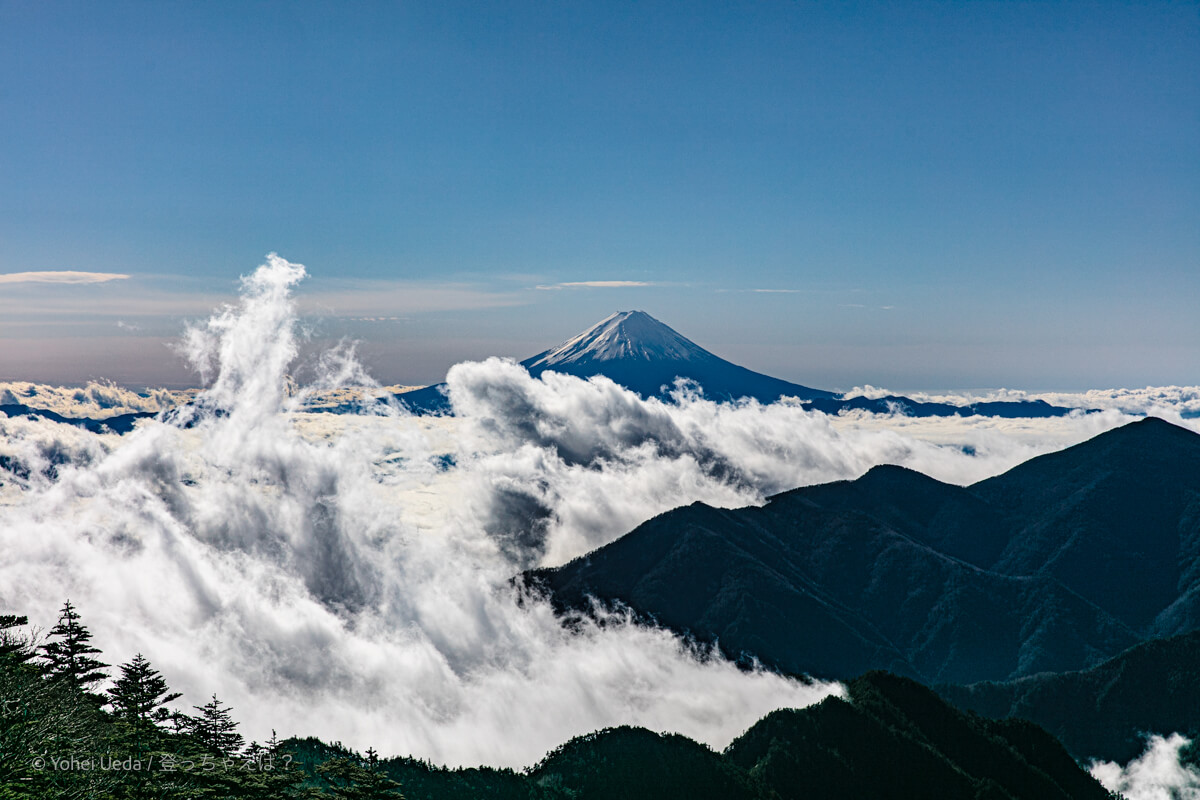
(350, 575)
(95, 399)
(1168, 401)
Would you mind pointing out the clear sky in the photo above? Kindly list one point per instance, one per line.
(914, 195)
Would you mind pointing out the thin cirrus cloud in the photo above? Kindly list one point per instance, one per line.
(761, 291)
(62, 277)
(172, 297)
(593, 285)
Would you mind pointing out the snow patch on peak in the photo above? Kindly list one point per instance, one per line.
(625, 335)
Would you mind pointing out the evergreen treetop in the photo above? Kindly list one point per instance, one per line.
(68, 652)
(216, 729)
(14, 647)
(140, 695)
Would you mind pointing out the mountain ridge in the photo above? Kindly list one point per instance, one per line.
(622, 334)
(887, 737)
(898, 571)
(1103, 712)
(647, 356)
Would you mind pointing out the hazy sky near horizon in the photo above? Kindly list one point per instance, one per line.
(915, 195)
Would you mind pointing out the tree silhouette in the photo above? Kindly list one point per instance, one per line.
(68, 652)
(350, 780)
(41, 715)
(216, 729)
(14, 648)
(140, 695)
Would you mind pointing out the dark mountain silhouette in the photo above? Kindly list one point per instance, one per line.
(888, 738)
(1103, 712)
(642, 354)
(121, 423)
(635, 762)
(913, 408)
(948, 584)
(1117, 518)
(892, 738)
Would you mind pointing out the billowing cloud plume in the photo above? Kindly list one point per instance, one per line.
(61, 276)
(350, 575)
(296, 566)
(1158, 774)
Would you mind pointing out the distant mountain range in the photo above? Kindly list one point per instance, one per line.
(122, 423)
(1060, 563)
(1104, 712)
(642, 354)
(637, 351)
(889, 738)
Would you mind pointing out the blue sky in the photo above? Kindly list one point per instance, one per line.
(938, 195)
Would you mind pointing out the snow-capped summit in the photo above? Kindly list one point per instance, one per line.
(637, 351)
(624, 335)
(641, 353)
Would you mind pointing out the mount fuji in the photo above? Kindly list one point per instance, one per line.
(646, 356)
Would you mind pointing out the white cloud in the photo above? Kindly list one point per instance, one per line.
(760, 291)
(1157, 774)
(364, 561)
(260, 555)
(1175, 403)
(96, 399)
(159, 296)
(593, 285)
(61, 277)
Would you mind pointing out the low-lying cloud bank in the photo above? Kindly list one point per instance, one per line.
(1158, 774)
(349, 575)
(95, 399)
(304, 574)
(1164, 401)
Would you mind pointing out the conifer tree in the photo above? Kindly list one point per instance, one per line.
(138, 699)
(271, 774)
(69, 651)
(42, 717)
(350, 780)
(216, 729)
(140, 695)
(14, 648)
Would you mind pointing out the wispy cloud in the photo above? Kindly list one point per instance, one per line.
(342, 298)
(61, 276)
(761, 291)
(593, 285)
